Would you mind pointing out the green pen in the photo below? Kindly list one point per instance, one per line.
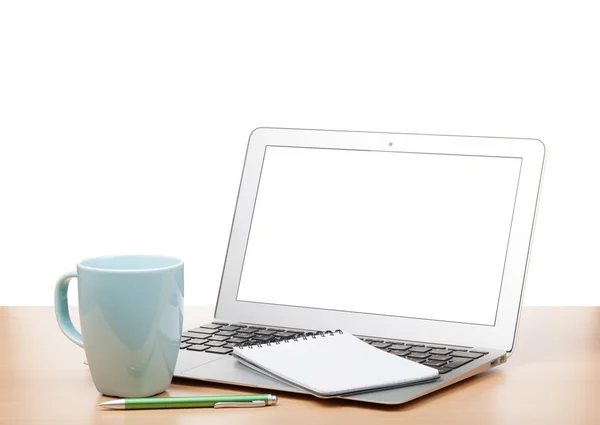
(258, 400)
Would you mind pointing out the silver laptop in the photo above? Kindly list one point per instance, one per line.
(417, 244)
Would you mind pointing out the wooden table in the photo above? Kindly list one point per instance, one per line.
(553, 378)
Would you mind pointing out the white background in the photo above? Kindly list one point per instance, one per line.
(123, 124)
(376, 232)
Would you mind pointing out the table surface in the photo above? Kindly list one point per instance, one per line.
(553, 378)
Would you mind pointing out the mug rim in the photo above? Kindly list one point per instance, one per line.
(177, 262)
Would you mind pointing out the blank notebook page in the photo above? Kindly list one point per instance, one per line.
(335, 364)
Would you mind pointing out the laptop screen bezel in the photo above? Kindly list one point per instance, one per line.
(500, 336)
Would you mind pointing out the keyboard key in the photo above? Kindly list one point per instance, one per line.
(441, 369)
(229, 345)
(440, 358)
(265, 332)
(190, 335)
(243, 335)
(236, 340)
(184, 339)
(381, 344)
(220, 323)
(418, 355)
(233, 328)
(434, 363)
(420, 349)
(197, 348)
(204, 331)
(218, 338)
(226, 333)
(400, 352)
(284, 335)
(262, 338)
(211, 326)
(197, 341)
(182, 346)
(215, 343)
(440, 351)
(466, 354)
(399, 347)
(480, 352)
(292, 331)
(454, 363)
(219, 350)
(415, 360)
(253, 329)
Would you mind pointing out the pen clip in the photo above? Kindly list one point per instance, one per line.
(255, 403)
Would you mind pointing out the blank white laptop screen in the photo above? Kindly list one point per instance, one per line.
(416, 235)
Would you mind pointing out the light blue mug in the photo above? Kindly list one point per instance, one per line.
(131, 314)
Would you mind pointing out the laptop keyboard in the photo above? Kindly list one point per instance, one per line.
(220, 338)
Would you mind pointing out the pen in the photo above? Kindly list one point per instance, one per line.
(258, 400)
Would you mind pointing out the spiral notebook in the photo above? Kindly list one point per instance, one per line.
(330, 364)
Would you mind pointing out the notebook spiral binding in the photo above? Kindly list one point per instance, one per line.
(305, 336)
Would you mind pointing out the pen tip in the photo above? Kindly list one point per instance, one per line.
(113, 404)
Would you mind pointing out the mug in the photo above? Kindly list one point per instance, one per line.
(131, 314)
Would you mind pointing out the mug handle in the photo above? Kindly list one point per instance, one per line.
(61, 307)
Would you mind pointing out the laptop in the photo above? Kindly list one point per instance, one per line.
(418, 244)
